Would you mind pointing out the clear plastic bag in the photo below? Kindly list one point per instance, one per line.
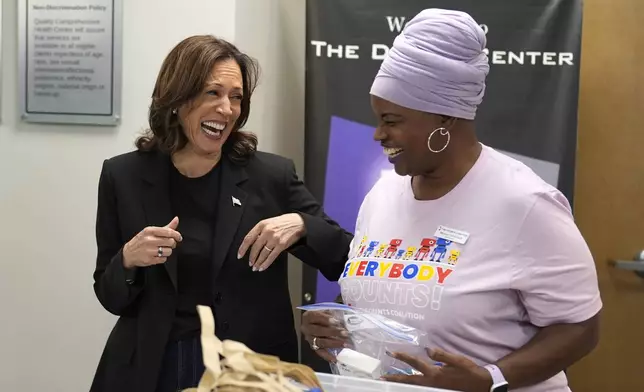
(375, 336)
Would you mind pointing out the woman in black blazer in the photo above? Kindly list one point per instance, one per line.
(196, 216)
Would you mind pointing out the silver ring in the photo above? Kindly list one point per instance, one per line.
(160, 252)
(314, 344)
(268, 249)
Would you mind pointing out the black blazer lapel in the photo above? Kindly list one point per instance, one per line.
(231, 204)
(156, 200)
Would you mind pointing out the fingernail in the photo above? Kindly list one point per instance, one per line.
(261, 269)
(390, 354)
(254, 269)
(334, 321)
(238, 256)
(344, 333)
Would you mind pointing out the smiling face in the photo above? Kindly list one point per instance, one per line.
(208, 120)
(403, 134)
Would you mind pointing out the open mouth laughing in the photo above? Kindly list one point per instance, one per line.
(392, 152)
(213, 129)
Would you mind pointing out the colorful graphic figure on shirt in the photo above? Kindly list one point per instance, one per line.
(440, 250)
(453, 256)
(363, 245)
(393, 247)
(425, 246)
(371, 248)
(400, 254)
(381, 250)
(410, 253)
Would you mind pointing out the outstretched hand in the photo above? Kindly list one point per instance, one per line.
(454, 372)
(271, 237)
(324, 332)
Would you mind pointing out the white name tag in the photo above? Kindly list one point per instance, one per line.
(458, 236)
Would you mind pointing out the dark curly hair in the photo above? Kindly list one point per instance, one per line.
(183, 75)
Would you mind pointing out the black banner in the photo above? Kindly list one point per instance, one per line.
(529, 110)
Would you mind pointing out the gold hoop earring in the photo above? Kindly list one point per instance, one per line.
(443, 132)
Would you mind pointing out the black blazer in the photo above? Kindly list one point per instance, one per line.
(250, 307)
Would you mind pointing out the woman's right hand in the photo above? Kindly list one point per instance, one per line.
(152, 245)
(323, 332)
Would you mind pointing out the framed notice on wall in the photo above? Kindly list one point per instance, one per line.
(70, 61)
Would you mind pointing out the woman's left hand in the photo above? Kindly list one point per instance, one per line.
(271, 237)
(455, 372)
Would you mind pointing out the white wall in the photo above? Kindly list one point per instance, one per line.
(52, 329)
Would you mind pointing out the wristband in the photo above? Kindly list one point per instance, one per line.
(499, 384)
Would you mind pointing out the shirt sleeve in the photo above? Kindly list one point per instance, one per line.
(326, 244)
(115, 287)
(554, 271)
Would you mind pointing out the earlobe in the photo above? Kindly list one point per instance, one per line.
(177, 114)
(448, 122)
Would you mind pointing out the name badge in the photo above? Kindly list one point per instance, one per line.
(458, 236)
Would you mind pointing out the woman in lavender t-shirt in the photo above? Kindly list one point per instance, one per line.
(465, 243)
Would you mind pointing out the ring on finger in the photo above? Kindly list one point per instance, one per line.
(268, 249)
(160, 252)
(314, 344)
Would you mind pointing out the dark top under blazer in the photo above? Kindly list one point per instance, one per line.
(251, 307)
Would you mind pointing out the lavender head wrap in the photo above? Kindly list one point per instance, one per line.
(436, 65)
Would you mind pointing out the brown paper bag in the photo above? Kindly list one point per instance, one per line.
(241, 369)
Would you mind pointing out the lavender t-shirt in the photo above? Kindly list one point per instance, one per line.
(480, 269)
